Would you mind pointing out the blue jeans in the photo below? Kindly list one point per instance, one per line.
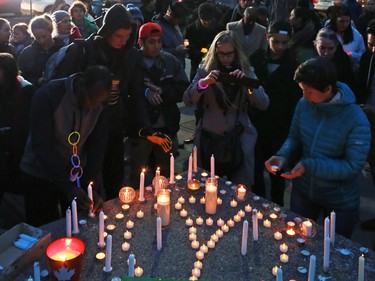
(301, 204)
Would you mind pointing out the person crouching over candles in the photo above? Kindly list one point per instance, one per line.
(66, 144)
(330, 134)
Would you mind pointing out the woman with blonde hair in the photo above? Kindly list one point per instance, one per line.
(222, 89)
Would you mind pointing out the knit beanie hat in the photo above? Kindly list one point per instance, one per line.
(58, 15)
(135, 12)
(150, 29)
(206, 11)
(116, 17)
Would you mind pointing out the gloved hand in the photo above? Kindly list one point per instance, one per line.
(83, 201)
(157, 137)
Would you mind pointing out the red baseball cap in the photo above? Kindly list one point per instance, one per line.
(150, 29)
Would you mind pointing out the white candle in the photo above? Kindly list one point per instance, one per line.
(171, 169)
(119, 216)
(266, 223)
(189, 222)
(361, 268)
(192, 236)
(219, 233)
(128, 235)
(284, 258)
(202, 200)
(212, 163)
(181, 200)
(131, 265)
(225, 228)
(192, 230)
(277, 235)
(279, 276)
(183, 213)
(198, 264)
(195, 244)
(211, 199)
(195, 159)
(273, 216)
(164, 206)
(140, 214)
(219, 201)
(284, 248)
(237, 218)
(36, 271)
(130, 224)
(248, 208)
(233, 203)
(214, 237)
(192, 199)
(245, 230)
(241, 193)
(142, 186)
(326, 254)
(68, 220)
(108, 254)
(241, 213)
(158, 234)
(209, 222)
(230, 223)
(101, 243)
(326, 227)
(259, 215)
(307, 228)
(220, 222)
(157, 183)
(204, 249)
(274, 270)
(199, 255)
(178, 206)
(312, 267)
(190, 168)
(138, 272)
(91, 197)
(75, 229)
(211, 244)
(125, 246)
(333, 228)
(255, 225)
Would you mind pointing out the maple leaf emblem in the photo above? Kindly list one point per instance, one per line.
(64, 274)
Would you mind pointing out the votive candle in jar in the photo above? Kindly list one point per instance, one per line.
(164, 206)
(211, 196)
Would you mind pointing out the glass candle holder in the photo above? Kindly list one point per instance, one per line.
(164, 206)
(308, 228)
(241, 192)
(126, 194)
(193, 184)
(163, 182)
(211, 195)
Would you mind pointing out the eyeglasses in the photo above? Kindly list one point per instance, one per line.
(227, 54)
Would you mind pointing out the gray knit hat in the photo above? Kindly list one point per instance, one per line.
(58, 15)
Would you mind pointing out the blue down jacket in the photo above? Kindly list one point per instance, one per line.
(332, 141)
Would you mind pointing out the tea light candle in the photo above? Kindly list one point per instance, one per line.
(219, 233)
(233, 203)
(225, 228)
(199, 255)
(214, 237)
(181, 200)
(196, 272)
(230, 223)
(111, 227)
(248, 208)
(178, 177)
(140, 214)
(128, 235)
(125, 207)
(119, 216)
(290, 232)
(237, 218)
(100, 256)
(204, 249)
(220, 222)
(290, 224)
(192, 230)
(130, 224)
(273, 216)
(202, 200)
(183, 213)
(138, 272)
(284, 258)
(277, 235)
(274, 270)
(219, 201)
(192, 199)
(195, 244)
(211, 244)
(198, 264)
(105, 217)
(125, 246)
(199, 221)
(209, 222)
(284, 248)
(189, 222)
(178, 206)
(192, 236)
(241, 213)
(259, 215)
(266, 223)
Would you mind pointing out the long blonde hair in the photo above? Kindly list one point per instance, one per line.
(210, 61)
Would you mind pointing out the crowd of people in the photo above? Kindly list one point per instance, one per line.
(276, 92)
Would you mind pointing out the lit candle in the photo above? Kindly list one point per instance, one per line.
(131, 265)
(138, 271)
(178, 206)
(189, 222)
(219, 201)
(75, 229)
(91, 197)
(211, 244)
(279, 276)
(245, 230)
(307, 228)
(100, 256)
(199, 221)
(183, 213)
(225, 228)
(204, 249)
(140, 214)
(219, 233)
(181, 200)
(158, 234)
(142, 186)
(125, 207)
(130, 224)
(241, 213)
(204, 174)
(101, 243)
(68, 220)
(326, 227)
(326, 254)
(211, 197)
(192, 199)
(119, 216)
(290, 224)
(198, 264)
(284, 248)
(192, 236)
(128, 235)
(277, 235)
(333, 228)
(157, 183)
(190, 168)
(192, 230)
(214, 237)
(202, 200)
(312, 267)
(209, 222)
(266, 223)
(164, 206)
(274, 270)
(255, 225)
(233, 203)
(171, 169)
(273, 216)
(237, 218)
(125, 246)
(195, 244)
(259, 215)
(220, 222)
(36, 271)
(290, 232)
(284, 258)
(361, 268)
(111, 227)
(241, 192)
(212, 164)
(195, 159)
(196, 272)
(248, 208)
(230, 223)
(199, 255)
(108, 254)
